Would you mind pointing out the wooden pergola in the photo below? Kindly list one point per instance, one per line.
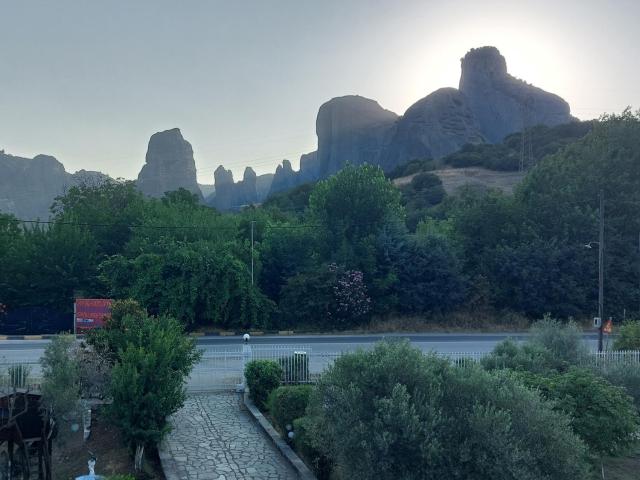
(26, 430)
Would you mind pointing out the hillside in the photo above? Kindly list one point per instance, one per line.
(454, 178)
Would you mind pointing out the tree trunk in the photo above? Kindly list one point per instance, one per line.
(139, 457)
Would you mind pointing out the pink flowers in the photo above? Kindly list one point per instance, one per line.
(350, 295)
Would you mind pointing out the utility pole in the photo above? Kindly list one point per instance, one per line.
(252, 225)
(601, 273)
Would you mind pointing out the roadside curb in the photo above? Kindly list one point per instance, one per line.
(26, 337)
(298, 465)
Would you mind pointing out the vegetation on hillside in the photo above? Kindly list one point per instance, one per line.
(539, 141)
(338, 253)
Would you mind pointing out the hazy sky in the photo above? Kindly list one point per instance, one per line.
(89, 81)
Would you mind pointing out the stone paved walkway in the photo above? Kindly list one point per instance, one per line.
(214, 438)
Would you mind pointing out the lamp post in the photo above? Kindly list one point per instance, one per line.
(600, 244)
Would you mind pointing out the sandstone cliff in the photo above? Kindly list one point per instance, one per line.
(169, 165)
(503, 104)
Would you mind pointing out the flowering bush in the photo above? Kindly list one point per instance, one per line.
(329, 297)
(351, 302)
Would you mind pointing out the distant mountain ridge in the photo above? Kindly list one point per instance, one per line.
(28, 186)
(488, 105)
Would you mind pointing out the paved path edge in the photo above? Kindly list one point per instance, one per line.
(298, 465)
(167, 463)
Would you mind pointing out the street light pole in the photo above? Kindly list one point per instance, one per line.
(601, 273)
(252, 225)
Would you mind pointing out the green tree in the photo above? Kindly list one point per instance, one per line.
(351, 207)
(602, 415)
(61, 378)
(106, 211)
(393, 413)
(560, 200)
(147, 379)
(200, 283)
(628, 337)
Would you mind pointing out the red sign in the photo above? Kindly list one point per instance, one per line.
(91, 313)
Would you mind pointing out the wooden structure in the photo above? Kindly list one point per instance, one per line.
(26, 433)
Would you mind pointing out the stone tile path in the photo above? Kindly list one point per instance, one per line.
(214, 438)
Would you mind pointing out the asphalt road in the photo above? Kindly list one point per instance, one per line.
(13, 351)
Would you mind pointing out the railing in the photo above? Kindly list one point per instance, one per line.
(20, 376)
(222, 368)
(618, 357)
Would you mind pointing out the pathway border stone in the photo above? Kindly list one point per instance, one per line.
(303, 471)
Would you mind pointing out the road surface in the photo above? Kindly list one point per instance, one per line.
(30, 351)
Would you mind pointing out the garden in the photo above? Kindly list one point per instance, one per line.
(538, 409)
(107, 397)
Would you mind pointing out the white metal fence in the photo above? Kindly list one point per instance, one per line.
(222, 368)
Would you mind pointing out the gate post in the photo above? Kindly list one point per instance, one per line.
(246, 357)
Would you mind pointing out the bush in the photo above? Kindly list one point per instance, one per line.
(321, 465)
(625, 376)
(524, 358)
(61, 376)
(147, 379)
(287, 404)
(263, 376)
(563, 340)
(602, 414)
(628, 337)
(393, 413)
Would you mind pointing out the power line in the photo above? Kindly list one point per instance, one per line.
(110, 225)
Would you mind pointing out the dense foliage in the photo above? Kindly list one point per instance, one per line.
(263, 377)
(287, 404)
(538, 142)
(602, 415)
(332, 255)
(152, 361)
(553, 362)
(394, 413)
(628, 337)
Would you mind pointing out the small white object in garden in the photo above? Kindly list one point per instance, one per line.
(288, 427)
(291, 435)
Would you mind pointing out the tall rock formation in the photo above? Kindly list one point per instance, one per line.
(351, 129)
(284, 179)
(169, 165)
(223, 180)
(246, 192)
(263, 185)
(433, 127)
(309, 167)
(503, 104)
(233, 196)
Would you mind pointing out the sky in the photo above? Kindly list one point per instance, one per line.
(90, 81)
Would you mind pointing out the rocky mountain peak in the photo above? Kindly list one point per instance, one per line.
(169, 165)
(482, 64)
(222, 176)
(503, 104)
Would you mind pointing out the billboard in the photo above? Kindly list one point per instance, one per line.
(91, 313)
